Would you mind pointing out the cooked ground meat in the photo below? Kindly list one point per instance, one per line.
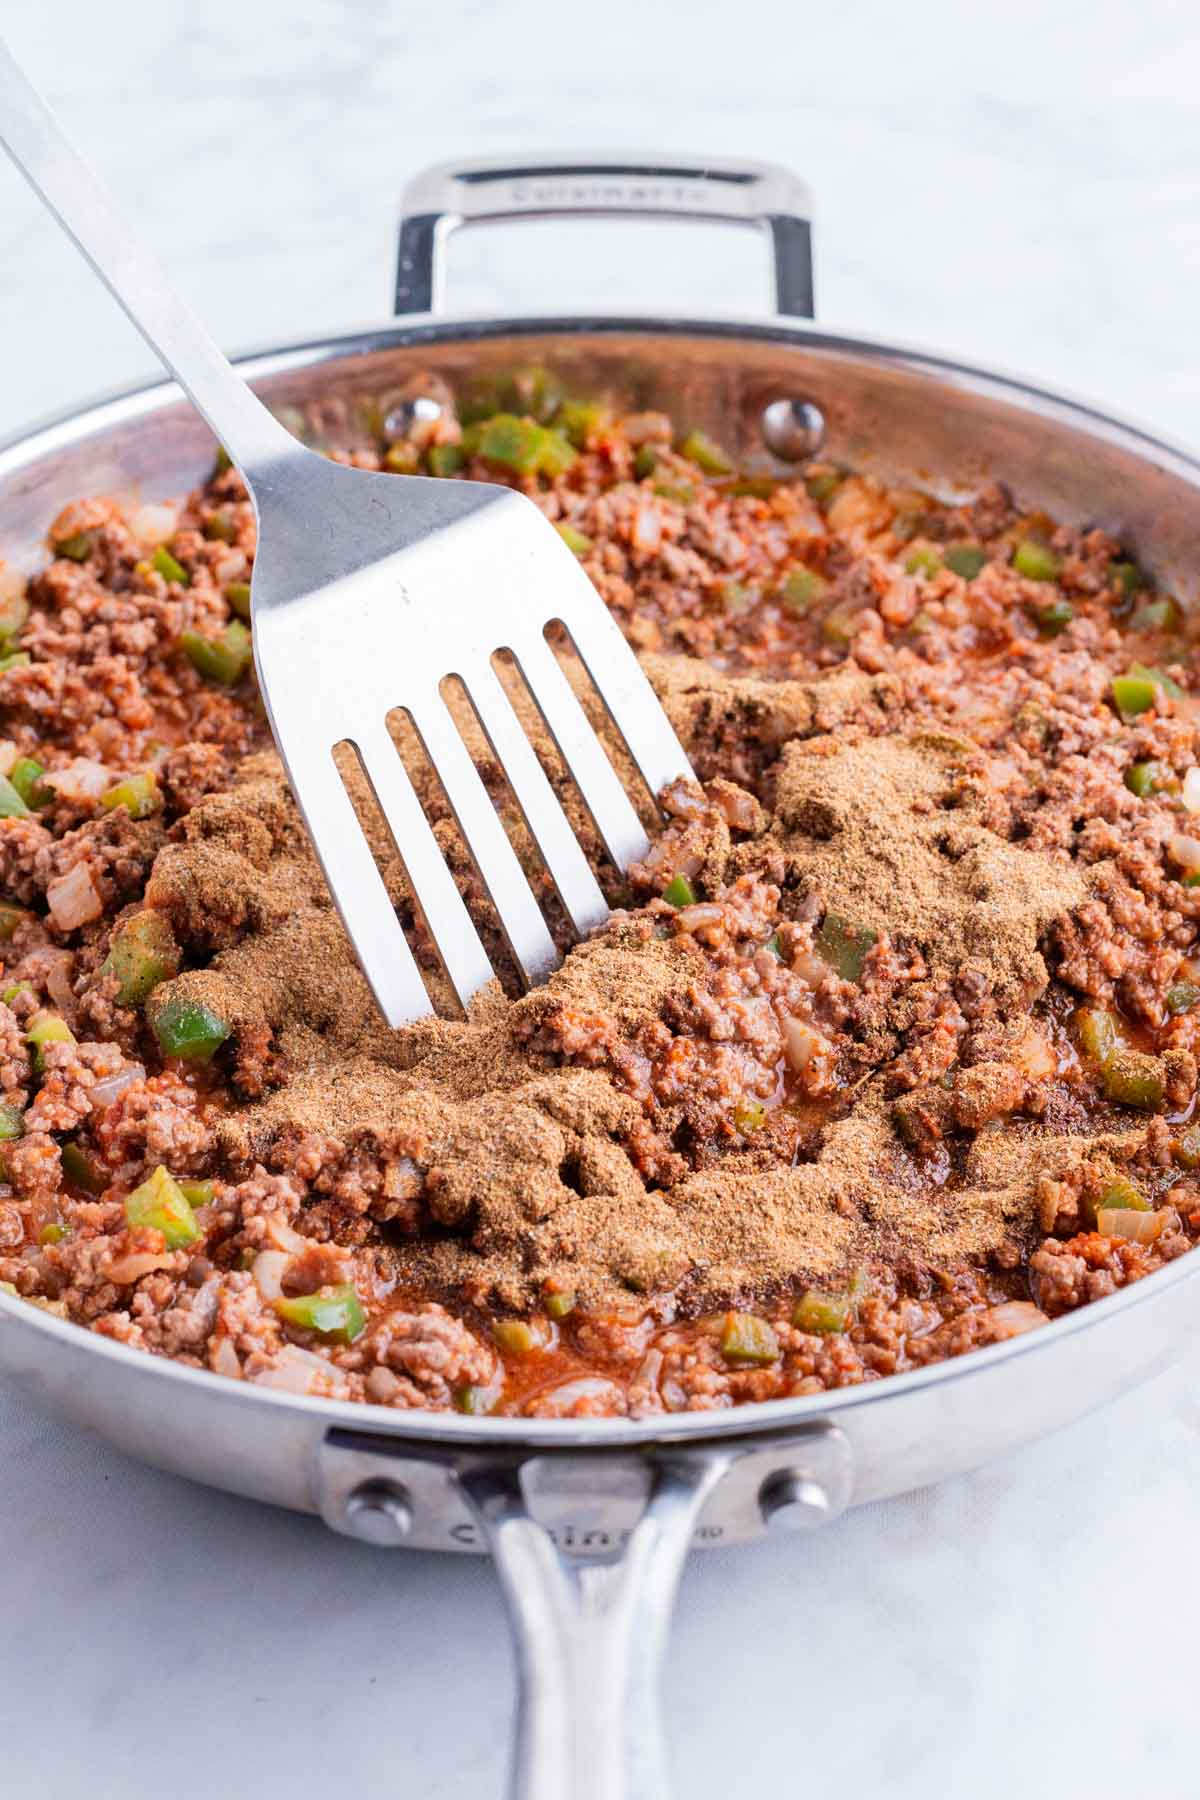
(887, 1052)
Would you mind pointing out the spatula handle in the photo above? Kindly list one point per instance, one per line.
(50, 163)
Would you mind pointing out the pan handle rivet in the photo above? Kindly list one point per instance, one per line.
(378, 1512)
(793, 1501)
(792, 429)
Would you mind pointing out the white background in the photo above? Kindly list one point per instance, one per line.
(1020, 183)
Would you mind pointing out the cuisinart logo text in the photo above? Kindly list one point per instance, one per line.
(688, 196)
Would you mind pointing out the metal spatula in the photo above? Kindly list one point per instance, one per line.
(368, 590)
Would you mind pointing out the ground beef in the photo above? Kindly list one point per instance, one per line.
(888, 1051)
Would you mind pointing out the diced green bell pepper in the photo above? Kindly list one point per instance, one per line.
(473, 1399)
(143, 952)
(1135, 691)
(12, 1122)
(1054, 618)
(841, 625)
(821, 1314)
(76, 548)
(1133, 694)
(10, 918)
(12, 805)
(801, 589)
(223, 659)
(645, 461)
(160, 1204)
(14, 613)
(402, 458)
(1127, 578)
(53, 1233)
(1099, 1033)
(581, 419)
(823, 484)
(1181, 997)
(221, 528)
(83, 1169)
(238, 595)
(523, 445)
(169, 567)
(749, 1116)
(1133, 1079)
(706, 453)
(446, 459)
(46, 1028)
(138, 794)
(1186, 1148)
(560, 1304)
(335, 1312)
(26, 776)
(923, 561)
(747, 1339)
(679, 891)
(198, 1193)
(578, 541)
(844, 946)
(966, 560)
(1142, 778)
(1122, 1194)
(516, 1337)
(189, 1030)
(1036, 561)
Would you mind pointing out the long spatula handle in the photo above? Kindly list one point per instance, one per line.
(49, 161)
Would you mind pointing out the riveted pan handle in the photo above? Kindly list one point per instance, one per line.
(590, 1629)
(442, 199)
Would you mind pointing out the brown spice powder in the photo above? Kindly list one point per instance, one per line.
(501, 1168)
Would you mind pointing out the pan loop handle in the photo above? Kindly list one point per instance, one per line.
(447, 196)
(590, 1611)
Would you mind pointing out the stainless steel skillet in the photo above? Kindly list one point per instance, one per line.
(590, 1521)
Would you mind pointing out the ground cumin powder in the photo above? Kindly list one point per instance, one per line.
(495, 1168)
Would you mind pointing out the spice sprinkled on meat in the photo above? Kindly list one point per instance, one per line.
(888, 1050)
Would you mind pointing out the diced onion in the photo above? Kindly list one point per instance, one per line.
(125, 1269)
(269, 1269)
(296, 1371)
(223, 1359)
(113, 1086)
(1126, 1222)
(8, 755)
(561, 1401)
(1034, 1056)
(800, 1044)
(82, 779)
(1191, 790)
(73, 900)
(647, 528)
(283, 1237)
(1012, 1317)
(154, 523)
(704, 915)
(1186, 851)
(59, 979)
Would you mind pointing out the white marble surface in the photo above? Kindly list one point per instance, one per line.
(1017, 182)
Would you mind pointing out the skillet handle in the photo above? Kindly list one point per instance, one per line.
(590, 1627)
(444, 198)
